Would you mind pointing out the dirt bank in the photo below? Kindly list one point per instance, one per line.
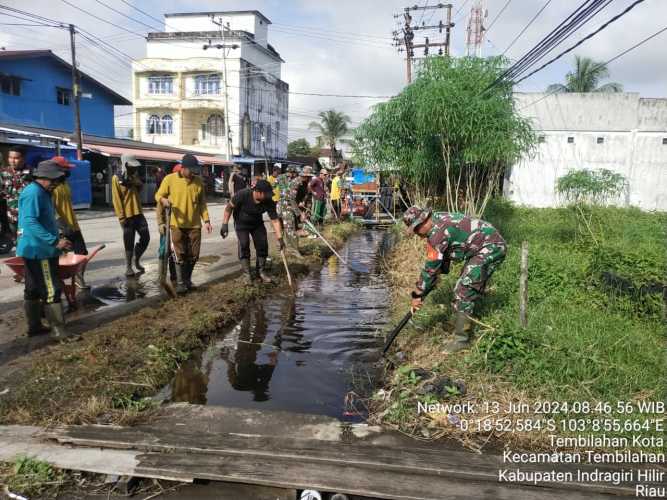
(110, 373)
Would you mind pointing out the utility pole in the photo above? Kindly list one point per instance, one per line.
(224, 49)
(476, 29)
(404, 39)
(76, 96)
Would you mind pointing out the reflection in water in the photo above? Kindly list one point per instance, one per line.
(306, 351)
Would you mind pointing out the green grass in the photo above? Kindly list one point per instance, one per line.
(584, 338)
(587, 338)
(32, 478)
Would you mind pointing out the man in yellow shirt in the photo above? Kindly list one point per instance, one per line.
(125, 189)
(185, 194)
(335, 192)
(66, 218)
(273, 180)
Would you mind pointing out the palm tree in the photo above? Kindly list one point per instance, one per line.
(333, 126)
(585, 78)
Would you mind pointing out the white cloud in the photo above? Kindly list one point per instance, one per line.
(346, 49)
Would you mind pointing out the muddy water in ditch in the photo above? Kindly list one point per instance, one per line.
(311, 352)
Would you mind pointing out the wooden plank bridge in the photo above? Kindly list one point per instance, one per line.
(186, 442)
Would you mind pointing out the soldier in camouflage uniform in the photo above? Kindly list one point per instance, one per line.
(287, 216)
(297, 195)
(456, 237)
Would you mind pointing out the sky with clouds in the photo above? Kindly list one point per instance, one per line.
(345, 46)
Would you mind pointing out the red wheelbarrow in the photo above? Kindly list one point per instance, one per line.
(69, 265)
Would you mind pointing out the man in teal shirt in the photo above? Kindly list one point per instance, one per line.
(40, 246)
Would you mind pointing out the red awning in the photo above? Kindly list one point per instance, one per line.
(149, 154)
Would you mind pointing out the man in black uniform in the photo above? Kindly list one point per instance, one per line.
(248, 207)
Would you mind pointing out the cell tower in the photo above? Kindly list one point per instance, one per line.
(476, 29)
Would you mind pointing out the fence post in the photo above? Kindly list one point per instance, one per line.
(523, 286)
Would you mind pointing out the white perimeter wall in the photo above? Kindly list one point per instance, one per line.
(632, 130)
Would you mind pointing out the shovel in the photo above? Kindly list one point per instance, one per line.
(164, 282)
(397, 329)
(355, 266)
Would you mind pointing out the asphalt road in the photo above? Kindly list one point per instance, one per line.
(109, 264)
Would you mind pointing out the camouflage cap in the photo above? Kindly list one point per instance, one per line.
(414, 216)
(307, 171)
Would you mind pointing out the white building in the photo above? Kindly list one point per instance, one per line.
(620, 132)
(179, 90)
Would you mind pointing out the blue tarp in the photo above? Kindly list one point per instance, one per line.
(80, 184)
(360, 176)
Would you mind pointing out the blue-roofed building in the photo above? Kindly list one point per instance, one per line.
(36, 90)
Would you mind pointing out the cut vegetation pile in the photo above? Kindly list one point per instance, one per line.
(110, 374)
(596, 326)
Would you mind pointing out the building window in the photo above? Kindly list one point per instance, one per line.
(215, 125)
(10, 85)
(664, 141)
(600, 140)
(160, 85)
(167, 125)
(541, 139)
(160, 126)
(207, 85)
(63, 96)
(570, 140)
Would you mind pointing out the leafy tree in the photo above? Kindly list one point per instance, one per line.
(586, 78)
(447, 135)
(299, 147)
(332, 127)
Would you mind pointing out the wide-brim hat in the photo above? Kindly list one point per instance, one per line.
(414, 216)
(48, 169)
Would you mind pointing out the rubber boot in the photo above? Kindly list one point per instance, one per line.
(56, 317)
(261, 265)
(137, 264)
(33, 316)
(129, 272)
(462, 334)
(189, 267)
(247, 272)
(181, 287)
(172, 270)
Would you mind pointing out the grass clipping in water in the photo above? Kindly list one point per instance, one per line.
(586, 341)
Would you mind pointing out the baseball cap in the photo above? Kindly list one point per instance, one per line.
(414, 216)
(263, 186)
(129, 160)
(48, 169)
(62, 161)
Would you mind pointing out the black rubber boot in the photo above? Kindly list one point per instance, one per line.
(189, 267)
(33, 316)
(56, 317)
(138, 252)
(247, 272)
(462, 334)
(129, 272)
(261, 265)
(181, 287)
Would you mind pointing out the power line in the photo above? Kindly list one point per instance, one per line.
(587, 37)
(140, 35)
(527, 26)
(126, 16)
(581, 15)
(605, 63)
(498, 16)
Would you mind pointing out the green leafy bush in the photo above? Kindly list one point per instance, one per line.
(591, 187)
